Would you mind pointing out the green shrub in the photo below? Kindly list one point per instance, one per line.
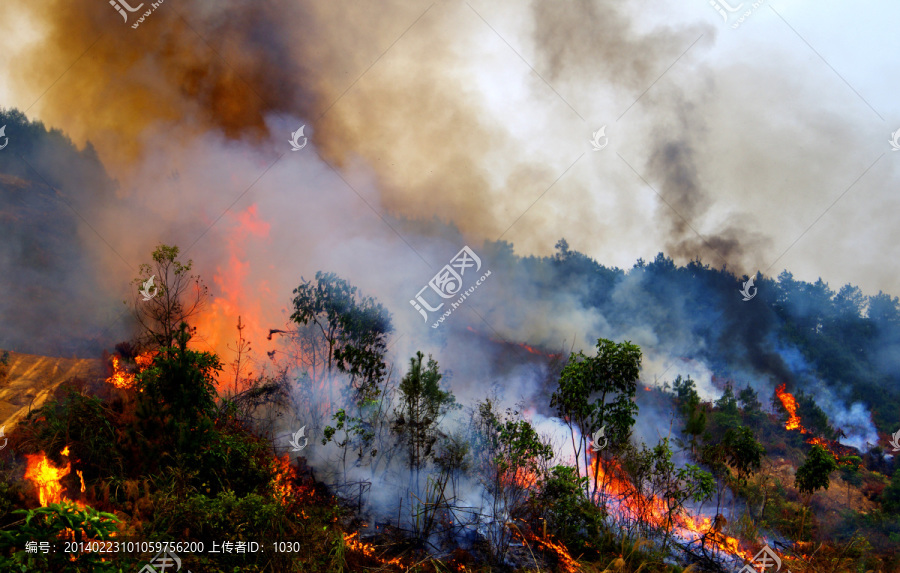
(569, 515)
(55, 524)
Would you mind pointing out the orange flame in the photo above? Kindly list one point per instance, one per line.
(565, 559)
(121, 377)
(367, 549)
(793, 423)
(238, 292)
(46, 476)
(628, 503)
(790, 404)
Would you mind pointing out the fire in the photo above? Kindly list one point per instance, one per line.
(285, 474)
(285, 483)
(367, 549)
(565, 559)
(629, 504)
(238, 291)
(790, 404)
(46, 476)
(793, 423)
(122, 378)
(526, 347)
(523, 477)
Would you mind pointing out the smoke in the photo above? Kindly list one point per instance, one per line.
(416, 149)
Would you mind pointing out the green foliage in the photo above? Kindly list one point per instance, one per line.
(569, 515)
(654, 476)
(688, 401)
(181, 381)
(86, 424)
(890, 497)
(742, 452)
(422, 405)
(179, 296)
(54, 524)
(355, 329)
(510, 459)
(815, 471)
(727, 414)
(598, 391)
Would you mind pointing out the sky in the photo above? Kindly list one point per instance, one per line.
(761, 144)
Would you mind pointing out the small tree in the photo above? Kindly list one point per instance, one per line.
(610, 379)
(743, 453)
(813, 475)
(178, 398)
(850, 473)
(177, 297)
(422, 406)
(749, 400)
(510, 458)
(688, 401)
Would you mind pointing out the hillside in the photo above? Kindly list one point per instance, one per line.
(31, 379)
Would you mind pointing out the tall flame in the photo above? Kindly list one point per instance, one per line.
(46, 476)
(793, 423)
(790, 404)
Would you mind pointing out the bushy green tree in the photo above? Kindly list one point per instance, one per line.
(814, 474)
(176, 404)
(597, 392)
(742, 452)
(353, 328)
(569, 515)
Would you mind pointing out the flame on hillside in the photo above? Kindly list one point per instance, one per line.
(793, 423)
(46, 477)
(628, 504)
(526, 347)
(237, 291)
(367, 549)
(121, 377)
(566, 562)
